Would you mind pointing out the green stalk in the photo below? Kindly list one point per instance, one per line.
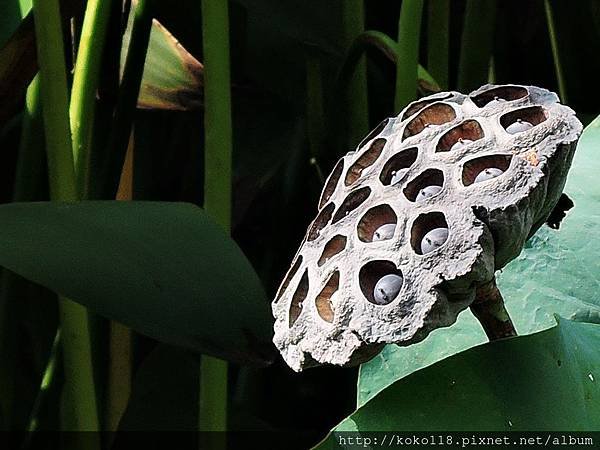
(48, 379)
(409, 32)
(25, 7)
(357, 100)
(55, 99)
(85, 83)
(562, 89)
(118, 390)
(63, 187)
(359, 46)
(314, 110)
(438, 38)
(29, 177)
(127, 101)
(120, 351)
(30, 163)
(217, 182)
(477, 42)
(492, 71)
(382, 42)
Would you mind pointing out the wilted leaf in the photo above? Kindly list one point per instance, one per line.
(172, 76)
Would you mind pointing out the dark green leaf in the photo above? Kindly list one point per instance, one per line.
(546, 381)
(164, 269)
(164, 394)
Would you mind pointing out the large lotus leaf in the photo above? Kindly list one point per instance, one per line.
(545, 381)
(165, 269)
(557, 272)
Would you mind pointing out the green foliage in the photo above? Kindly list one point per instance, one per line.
(218, 148)
(514, 384)
(305, 83)
(164, 269)
(409, 34)
(477, 43)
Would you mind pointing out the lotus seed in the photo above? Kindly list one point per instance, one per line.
(495, 101)
(460, 144)
(519, 126)
(488, 174)
(434, 239)
(384, 232)
(426, 192)
(387, 288)
(397, 175)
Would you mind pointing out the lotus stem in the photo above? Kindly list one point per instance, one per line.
(489, 309)
(218, 146)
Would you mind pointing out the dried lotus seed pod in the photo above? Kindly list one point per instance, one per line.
(413, 224)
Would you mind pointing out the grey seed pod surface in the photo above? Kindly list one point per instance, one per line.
(500, 156)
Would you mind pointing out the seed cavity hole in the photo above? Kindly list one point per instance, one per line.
(485, 168)
(320, 222)
(396, 168)
(435, 114)
(364, 161)
(380, 281)
(426, 185)
(460, 136)
(351, 202)
(429, 232)
(499, 95)
(324, 301)
(335, 245)
(288, 277)
(523, 119)
(377, 224)
(331, 183)
(298, 298)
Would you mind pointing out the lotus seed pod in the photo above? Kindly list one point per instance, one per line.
(434, 239)
(384, 232)
(427, 191)
(372, 224)
(387, 288)
(488, 174)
